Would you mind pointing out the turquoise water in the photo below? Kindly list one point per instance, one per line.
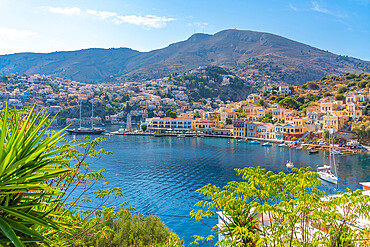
(159, 175)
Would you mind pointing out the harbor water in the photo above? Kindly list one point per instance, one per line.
(160, 175)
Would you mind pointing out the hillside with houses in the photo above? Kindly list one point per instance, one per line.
(205, 101)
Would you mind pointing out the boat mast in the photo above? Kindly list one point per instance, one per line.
(92, 114)
(80, 112)
(329, 142)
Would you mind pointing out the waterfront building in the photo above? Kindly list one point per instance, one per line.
(278, 132)
(252, 129)
(293, 132)
(170, 124)
(261, 130)
(204, 125)
(240, 127)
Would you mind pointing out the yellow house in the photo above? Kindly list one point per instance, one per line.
(353, 110)
(335, 122)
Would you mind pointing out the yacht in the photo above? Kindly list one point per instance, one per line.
(85, 130)
(329, 173)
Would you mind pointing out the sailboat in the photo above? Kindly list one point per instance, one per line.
(86, 131)
(328, 173)
(289, 163)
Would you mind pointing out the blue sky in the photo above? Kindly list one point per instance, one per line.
(341, 26)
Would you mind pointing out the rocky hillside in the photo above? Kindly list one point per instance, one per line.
(245, 52)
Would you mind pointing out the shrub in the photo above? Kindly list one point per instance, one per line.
(342, 90)
(339, 97)
(130, 230)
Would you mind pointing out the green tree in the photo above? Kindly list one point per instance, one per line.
(289, 103)
(290, 206)
(362, 83)
(130, 230)
(171, 114)
(326, 135)
(260, 102)
(339, 97)
(362, 130)
(196, 115)
(144, 127)
(342, 90)
(241, 115)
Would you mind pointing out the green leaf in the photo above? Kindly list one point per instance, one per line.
(9, 233)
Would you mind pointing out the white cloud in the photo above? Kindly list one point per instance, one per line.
(11, 33)
(146, 21)
(293, 7)
(316, 7)
(64, 11)
(101, 14)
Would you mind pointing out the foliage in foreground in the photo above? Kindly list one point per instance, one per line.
(293, 210)
(46, 184)
(130, 230)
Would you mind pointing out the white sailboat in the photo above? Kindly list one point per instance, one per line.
(328, 173)
(289, 163)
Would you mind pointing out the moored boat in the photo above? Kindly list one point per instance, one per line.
(327, 175)
(84, 130)
(267, 144)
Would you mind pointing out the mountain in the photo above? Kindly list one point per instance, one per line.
(245, 52)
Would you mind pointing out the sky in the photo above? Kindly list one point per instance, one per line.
(339, 26)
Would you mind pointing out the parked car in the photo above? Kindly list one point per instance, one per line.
(340, 145)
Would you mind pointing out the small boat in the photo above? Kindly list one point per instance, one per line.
(158, 135)
(313, 151)
(242, 140)
(254, 142)
(298, 148)
(282, 145)
(180, 136)
(289, 164)
(336, 152)
(267, 144)
(327, 175)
